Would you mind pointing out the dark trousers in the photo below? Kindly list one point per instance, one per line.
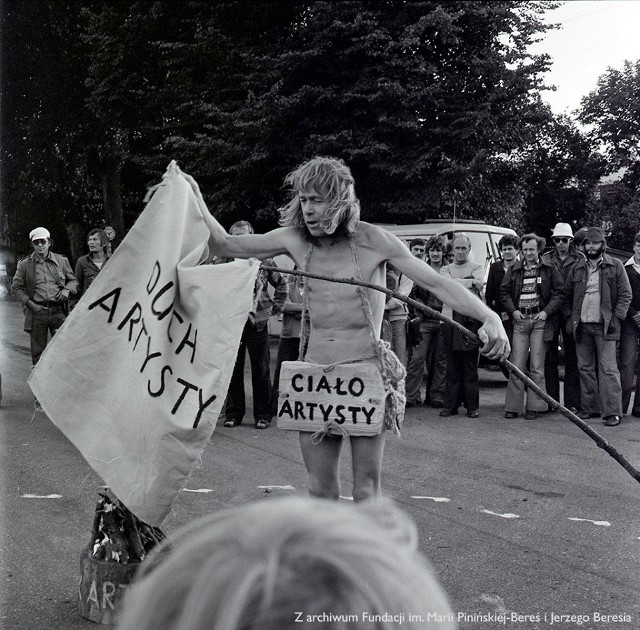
(571, 375)
(44, 322)
(628, 363)
(288, 350)
(462, 380)
(256, 342)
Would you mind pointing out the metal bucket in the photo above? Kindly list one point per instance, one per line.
(102, 587)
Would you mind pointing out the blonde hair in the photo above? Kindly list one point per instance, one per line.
(331, 178)
(274, 563)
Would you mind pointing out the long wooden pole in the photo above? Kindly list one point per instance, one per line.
(554, 404)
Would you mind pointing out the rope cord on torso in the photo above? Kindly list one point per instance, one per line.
(393, 399)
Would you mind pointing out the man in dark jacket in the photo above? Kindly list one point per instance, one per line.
(563, 256)
(508, 246)
(598, 295)
(89, 266)
(43, 283)
(532, 293)
(630, 335)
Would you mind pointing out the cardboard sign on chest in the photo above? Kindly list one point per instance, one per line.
(350, 396)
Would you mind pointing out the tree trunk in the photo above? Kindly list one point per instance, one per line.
(112, 198)
(76, 239)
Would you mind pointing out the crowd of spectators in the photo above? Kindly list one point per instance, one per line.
(574, 297)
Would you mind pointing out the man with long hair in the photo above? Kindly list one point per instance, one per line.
(90, 265)
(290, 563)
(322, 232)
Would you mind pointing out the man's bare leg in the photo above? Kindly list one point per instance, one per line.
(367, 453)
(323, 462)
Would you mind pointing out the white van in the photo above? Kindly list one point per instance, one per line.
(484, 238)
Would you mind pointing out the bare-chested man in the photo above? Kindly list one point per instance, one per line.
(323, 234)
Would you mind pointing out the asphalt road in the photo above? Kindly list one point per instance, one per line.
(517, 517)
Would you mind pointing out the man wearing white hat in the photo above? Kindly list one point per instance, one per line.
(43, 283)
(563, 257)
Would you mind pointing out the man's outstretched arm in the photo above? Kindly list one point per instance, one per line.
(492, 333)
(259, 246)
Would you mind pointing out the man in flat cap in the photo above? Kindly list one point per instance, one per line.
(43, 283)
(598, 294)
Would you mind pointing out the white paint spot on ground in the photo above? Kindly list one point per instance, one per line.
(507, 515)
(588, 520)
(346, 498)
(199, 490)
(496, 601)
(41, 496)
(436, 499)
(276, 487)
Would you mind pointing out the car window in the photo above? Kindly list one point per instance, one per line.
(495, 238)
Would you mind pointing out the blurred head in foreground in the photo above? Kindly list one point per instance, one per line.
(274, 564)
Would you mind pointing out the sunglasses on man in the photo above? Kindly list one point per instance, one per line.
(39, 241)
(561, 239)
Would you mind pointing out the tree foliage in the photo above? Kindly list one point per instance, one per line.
(561, 169)
(44, 173)
(422, 99)
(616, 207)
(434, 105)
(612, 112)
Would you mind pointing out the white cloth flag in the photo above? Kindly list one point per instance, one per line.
(138, 373)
